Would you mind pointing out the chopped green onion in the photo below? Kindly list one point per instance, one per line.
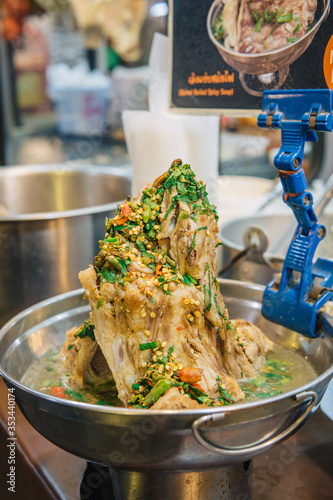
(109, 239)
(298, 27)
(208, 308)
(258, 25)
(194, 235)
(285, 18)
(148, 345)
(75, 395)
(87, 330)
(188, 280)
(225, 395)
(217, 306)
(173, 204)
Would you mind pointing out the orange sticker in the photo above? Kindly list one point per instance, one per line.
(328, 63)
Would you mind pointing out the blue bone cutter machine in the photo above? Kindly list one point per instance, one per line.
(295, 297)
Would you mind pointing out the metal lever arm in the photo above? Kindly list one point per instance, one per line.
(299, 114)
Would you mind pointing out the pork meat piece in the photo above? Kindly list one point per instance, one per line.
(156, 304)
(229, 19)
(256, 26)
(84, 360)
(154, 280)
(142, 308)
(172, 398)
(244, 349)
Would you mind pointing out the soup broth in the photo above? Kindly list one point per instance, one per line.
(284, 371)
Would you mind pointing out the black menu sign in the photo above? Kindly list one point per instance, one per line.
(225, 53)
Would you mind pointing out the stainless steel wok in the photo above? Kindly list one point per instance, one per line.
(267, 62)
(51, 218)
(151, 441)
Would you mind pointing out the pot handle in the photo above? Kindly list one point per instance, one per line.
(309, 396)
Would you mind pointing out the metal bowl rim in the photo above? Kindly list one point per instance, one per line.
(236, 246)
(237, 55)
(123, 411)
(94, 209)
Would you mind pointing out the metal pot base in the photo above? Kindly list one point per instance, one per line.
(226, 483)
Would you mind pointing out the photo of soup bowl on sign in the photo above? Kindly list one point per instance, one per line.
(263, 41)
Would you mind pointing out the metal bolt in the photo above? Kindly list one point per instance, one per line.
(307, 200)
(321, 233)
(296, 162)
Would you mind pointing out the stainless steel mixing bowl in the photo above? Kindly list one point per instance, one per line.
(266, 62)
(260, 266)
(151, 441)
(51, 218)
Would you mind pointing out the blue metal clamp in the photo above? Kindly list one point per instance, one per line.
(303, 288)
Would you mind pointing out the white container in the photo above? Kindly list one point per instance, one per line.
(81, 112)
(81, 99)
(240, 195)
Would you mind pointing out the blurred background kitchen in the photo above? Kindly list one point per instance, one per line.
(69, 67)
(69, 71)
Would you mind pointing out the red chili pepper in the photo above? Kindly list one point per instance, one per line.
(121, 221)
(125, 210)
(179, 328)
(59, 392)
(158, 270)
(197, 386)
(190, 375)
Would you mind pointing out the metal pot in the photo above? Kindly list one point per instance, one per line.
(267, 62)
(51, 219)
(270, 236)
(152, 441)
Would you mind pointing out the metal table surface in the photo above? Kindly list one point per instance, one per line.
(300, 468)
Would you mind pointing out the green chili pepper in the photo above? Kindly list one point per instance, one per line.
(171, 262)
(114, 263)
(157, 391)
(184, 215)
(146, 214)
(150, 191)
